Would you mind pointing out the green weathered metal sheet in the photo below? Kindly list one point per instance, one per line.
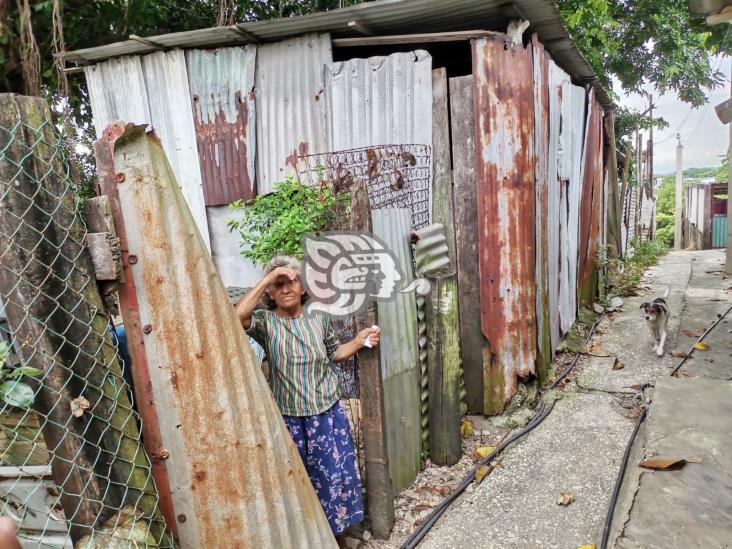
(719, 231)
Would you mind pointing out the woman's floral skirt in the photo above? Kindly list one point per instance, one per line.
(326, 448)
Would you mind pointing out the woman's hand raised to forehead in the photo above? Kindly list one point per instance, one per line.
(291, 274)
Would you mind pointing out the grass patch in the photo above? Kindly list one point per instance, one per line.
(625, 274)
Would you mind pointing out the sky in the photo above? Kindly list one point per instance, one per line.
(703, 136)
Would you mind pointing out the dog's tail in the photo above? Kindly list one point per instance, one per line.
(668, 291)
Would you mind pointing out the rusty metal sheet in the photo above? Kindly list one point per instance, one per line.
(380, 101)
(400, 353)
(505, 162)
(221, 83)
(290, 107)
(541, 145)
(234, 470)
(591, 204)
(556, 76)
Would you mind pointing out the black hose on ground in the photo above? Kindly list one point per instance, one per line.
(541, 413)
(701, 338)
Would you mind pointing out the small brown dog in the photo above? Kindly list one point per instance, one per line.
(657, 314)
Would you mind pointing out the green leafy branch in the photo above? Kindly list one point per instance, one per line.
(13, 391)
(274, 223)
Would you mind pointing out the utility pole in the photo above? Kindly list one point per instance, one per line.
(639, 184)
(679, 210)
(650, 146)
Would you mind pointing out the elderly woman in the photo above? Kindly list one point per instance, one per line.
(300, 346)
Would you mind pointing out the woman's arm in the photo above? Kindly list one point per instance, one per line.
(347, 350)
(248, 303)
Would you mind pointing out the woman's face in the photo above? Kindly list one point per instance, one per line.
(286, 293)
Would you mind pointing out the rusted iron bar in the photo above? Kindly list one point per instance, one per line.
(379, 491)
(130, 310)
(472, 341)
(97, 459)
(505, 192)
(443, 368)
(234, 471)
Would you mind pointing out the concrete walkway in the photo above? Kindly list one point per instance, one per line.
(579, 447)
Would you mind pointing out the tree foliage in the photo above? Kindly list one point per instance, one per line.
(654, 43)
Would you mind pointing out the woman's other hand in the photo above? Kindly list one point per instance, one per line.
(372, 333)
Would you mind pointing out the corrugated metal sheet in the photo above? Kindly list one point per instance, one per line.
(541, 145)
(234, 471)
(556, 75)
(380, 100)
(153, 90)
(591, 214)
(505, 163)
(578, 121)
(290, 106)
(400, 354)
(382, 18)
(233, 269)
(222, 91)
(431, 252)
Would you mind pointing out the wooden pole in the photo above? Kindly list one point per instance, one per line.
(444, 371)
(45, 273)
(613, 202)
(379, 491)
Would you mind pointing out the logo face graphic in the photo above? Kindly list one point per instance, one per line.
(344, 271)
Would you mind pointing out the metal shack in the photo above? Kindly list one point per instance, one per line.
(512, 116)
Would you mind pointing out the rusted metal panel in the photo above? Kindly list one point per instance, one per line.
(578, 121)
(380, 100)
(290, 107)
(592, 203)
(153, 90)
(234, 470)
(400, 354)
(541, 144)
(221, 84)
(505, 185)
(554, 200)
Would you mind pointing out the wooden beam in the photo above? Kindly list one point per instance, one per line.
(98, 213)
(245, 34)
(359, 28)
(146, 42)
(105, 254)
(411, 38)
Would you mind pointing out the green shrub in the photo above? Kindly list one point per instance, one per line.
(625, 274)
(274, 223)
(664, 220)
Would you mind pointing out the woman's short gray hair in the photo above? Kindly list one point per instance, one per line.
(283, 260)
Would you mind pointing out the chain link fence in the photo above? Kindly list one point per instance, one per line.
(73, 470)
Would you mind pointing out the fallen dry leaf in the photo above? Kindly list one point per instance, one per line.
(617, 365)
(565, 498)
(599, 354)
(701, 346)
(481, 472)
(484, 451)
(79, 405)
(689, 333)
(679, 354)
(590, 546)
(664, 464)
(466, 428)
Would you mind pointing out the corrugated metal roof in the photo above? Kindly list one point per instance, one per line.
(382, 17)
(290, 107)
(399, 353)
(221, 83)
(153, 90)
(235, 474)
(380, 100)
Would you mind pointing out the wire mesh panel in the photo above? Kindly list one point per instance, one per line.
(72, 465)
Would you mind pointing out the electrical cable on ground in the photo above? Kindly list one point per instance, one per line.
(701, 338)
(631, 441)
(541, 413)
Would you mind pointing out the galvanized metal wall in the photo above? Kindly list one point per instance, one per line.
(379, 101)
(290, 108)
(221, 83)
(505, 163)
(554, 194)
(153, 90)
(400, 354)
(234, 470)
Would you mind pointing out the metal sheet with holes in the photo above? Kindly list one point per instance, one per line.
(221, 83)
(290, 107)
(400, 352)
